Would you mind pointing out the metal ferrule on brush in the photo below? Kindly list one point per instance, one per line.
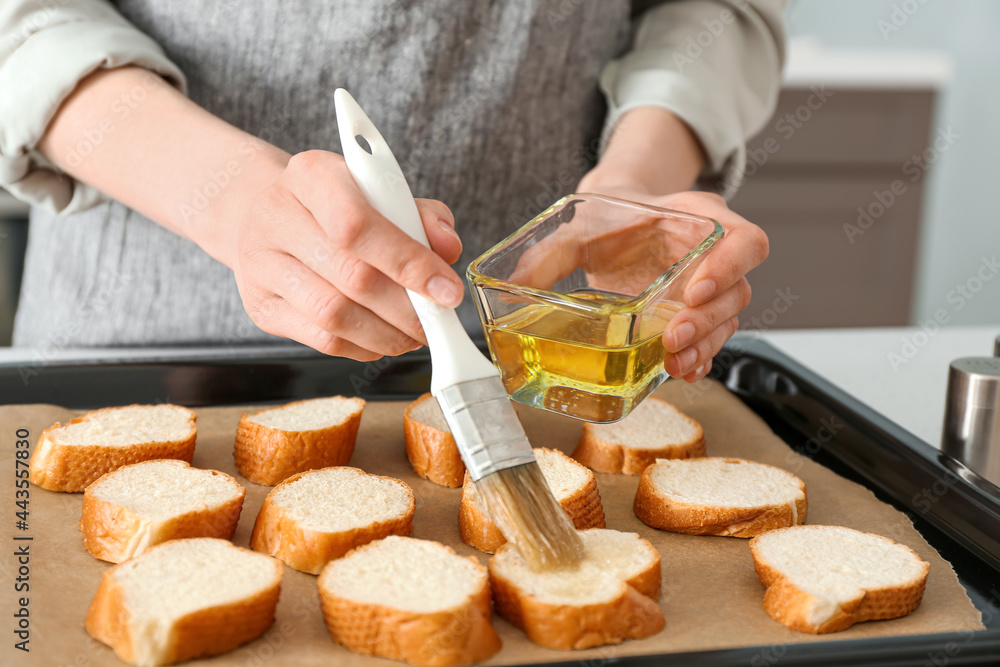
(485, 426)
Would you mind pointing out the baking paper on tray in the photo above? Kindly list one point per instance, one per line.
(711, 595)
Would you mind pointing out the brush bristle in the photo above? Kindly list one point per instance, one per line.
(529, 517)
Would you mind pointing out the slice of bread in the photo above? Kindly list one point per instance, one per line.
(274, 444)
(412, 600)
(184, 599)
(610, 597)
(654, 430)
(827, 578)
(430, 446)
(316, 516)
(719, 496)
(571, 483)
(141, 505)
(71, 456)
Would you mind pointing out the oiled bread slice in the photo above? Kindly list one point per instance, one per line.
(184, 599)
(316, 516)
(430, 446)
(274, 444)
(141, 505)
(409, 599)
(612, 596)
(654, 430)
(827, 578)
(70, 456)
(719, 496)
(571, 483)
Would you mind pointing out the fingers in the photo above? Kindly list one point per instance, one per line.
(331, 310)
(321, 182)
(439, 224)
(744, 247)
(691, 362)
(275, 316)
(354, 278)
(693, 324)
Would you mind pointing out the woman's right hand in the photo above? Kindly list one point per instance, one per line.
(314, 262)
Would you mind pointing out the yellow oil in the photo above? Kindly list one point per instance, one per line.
(582, 366)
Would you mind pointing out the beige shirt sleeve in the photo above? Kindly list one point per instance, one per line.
(714, 63)
(46, 49)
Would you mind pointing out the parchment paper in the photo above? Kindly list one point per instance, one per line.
(711, 596)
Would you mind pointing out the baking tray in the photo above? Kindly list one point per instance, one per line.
(956, 511)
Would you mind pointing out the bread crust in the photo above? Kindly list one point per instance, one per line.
(281, 536)
(115, 534)
(432, 453)
(790, 605)
(458, 636)
(204, 632)
(657, 510)
(478, 530)
(73, 467)
(267, 456)
(632, 614)
(612, 457)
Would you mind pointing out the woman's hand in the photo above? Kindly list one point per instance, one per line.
(653, 153)
(315, 263)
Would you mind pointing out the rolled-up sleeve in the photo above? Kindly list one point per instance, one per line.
(716, 64)
(47, 47)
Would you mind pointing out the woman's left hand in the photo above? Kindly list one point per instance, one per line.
(717, 292)
(652, 153)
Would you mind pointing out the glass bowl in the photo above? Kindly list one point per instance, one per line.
(575, 302)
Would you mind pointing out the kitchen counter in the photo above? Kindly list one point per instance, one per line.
(900, 372)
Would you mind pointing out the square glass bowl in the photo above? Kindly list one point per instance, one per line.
(575, 302)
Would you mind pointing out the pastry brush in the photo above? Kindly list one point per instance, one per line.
(465, 383)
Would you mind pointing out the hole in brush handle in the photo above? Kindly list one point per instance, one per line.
(363, 142)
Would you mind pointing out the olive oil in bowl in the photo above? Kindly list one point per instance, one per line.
(590, 365)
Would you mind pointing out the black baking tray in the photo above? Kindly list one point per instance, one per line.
(955, 510)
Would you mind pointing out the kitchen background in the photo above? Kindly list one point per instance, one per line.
(875, 180)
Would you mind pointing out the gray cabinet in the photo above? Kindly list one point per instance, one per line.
(838, 185)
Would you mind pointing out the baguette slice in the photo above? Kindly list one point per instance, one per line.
(141, 505)
(430, 446)
(827, 578)
(571, 483)
(412, 600)
(274, 444)
(71, 456)
(654, 430)
(719, 496)
(612, 596)
(184, 599)
(316, 516)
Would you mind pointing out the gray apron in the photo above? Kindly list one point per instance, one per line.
(491, 106)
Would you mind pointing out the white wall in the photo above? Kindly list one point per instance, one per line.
(962, 206)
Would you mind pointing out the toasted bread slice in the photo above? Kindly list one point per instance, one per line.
(430, 446)
(572, 484)
(411, 600)
(316, 516)
(184, 599)
(71, 456)
(274, 444)
(827, 578)
(654, 430)
(141, 505)
(612, 596)
(719, 496)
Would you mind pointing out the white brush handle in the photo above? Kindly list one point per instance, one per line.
(454, 357)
